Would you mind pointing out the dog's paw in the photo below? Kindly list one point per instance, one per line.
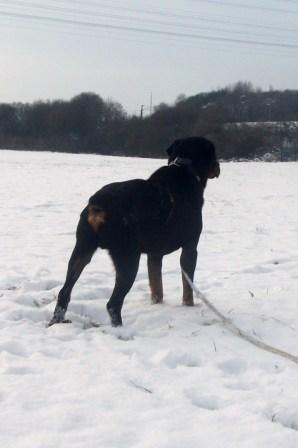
(55, 321)
(115, 316)
(58, 317)
(155, 299)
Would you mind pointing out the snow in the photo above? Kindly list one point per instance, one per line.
(172, 377)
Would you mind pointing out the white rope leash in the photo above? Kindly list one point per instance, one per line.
(237, 331)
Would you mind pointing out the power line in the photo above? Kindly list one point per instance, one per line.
(184, 38)
(147, 12)
(190, 14)
(246, 6)
(295, 2)
(141, 41)
(134, 19)
(149, 31)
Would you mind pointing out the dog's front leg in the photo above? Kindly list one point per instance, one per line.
(154, 263)
(188, 260)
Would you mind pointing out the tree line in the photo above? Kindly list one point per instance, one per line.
(242, 120)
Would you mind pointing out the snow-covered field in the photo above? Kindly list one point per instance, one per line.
(172, 377)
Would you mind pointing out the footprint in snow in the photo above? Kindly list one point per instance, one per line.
(207, 402)
(14, 348)
(174, 359)
(15, 370)
(233, 366)
(286, 417)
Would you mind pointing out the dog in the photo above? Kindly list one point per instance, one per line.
(156, 216)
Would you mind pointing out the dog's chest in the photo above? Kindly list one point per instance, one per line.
(170, 224)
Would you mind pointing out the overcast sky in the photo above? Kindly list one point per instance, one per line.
(128, 49)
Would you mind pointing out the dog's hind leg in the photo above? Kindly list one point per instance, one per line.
(188, 262)
(80, 257)
(154, 263)
(126, 264)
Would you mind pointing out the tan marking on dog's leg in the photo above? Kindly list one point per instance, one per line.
(155, 278)
(187, 298)
(96, 217)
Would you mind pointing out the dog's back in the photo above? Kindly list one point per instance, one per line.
(156, 214)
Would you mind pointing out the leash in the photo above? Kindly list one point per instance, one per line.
(237, 331)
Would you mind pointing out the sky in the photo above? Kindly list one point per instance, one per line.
(135, 52)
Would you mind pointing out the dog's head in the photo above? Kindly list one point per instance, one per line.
(197, 152)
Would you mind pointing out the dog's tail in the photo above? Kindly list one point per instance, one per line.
(96, 217)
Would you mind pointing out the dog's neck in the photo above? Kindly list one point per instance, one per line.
(183, 161)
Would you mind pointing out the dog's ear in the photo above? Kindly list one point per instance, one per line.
(171, 149)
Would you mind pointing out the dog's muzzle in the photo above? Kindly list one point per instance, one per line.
(214, 171)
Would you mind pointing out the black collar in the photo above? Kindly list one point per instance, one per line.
(182, 161)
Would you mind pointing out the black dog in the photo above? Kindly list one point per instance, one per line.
(155, 216)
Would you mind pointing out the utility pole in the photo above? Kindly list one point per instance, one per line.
(243, 102)
(269, 102)
(151, 104)
(149, 108)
